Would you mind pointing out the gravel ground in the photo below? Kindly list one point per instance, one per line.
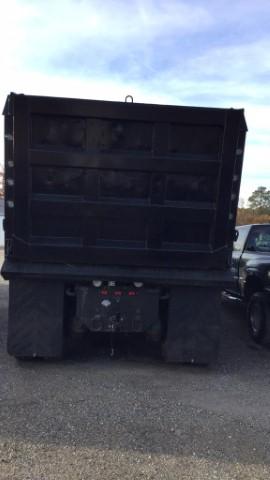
(134, 417)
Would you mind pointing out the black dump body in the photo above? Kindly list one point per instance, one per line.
(98, 184)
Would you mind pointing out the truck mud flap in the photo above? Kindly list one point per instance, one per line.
(35, 327)
(193, 325)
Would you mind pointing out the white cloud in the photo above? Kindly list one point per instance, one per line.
(37, 30)
(240, 63)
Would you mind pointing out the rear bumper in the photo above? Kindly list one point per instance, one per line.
(82, 273)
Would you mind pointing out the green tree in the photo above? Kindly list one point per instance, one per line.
(260, 199)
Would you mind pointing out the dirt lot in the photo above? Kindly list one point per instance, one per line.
(91, 417)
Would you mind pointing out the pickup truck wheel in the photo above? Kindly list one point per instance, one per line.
(258, 316)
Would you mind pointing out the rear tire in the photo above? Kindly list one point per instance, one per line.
(258, 317)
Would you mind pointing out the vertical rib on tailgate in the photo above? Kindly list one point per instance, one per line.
(125, 184)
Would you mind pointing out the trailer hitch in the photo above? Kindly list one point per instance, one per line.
(114, 323)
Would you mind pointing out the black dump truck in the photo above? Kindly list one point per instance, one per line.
(119, 218)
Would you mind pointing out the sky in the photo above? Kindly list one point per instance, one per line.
(213, 53)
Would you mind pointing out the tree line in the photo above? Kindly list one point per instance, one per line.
(258, 210)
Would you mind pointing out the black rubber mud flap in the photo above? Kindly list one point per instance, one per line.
(35, 326)
(193, 326)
